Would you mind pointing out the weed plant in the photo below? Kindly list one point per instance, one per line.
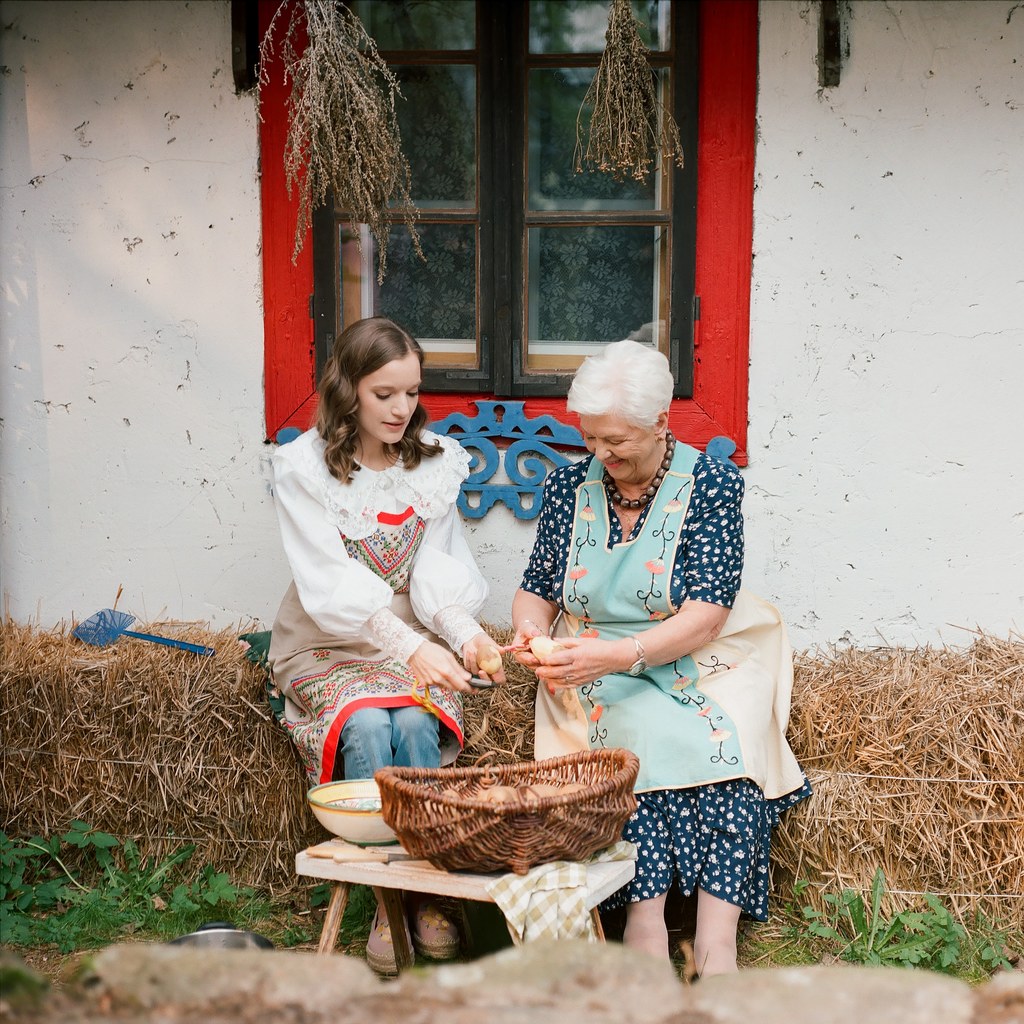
(86, 888)
(854, 929)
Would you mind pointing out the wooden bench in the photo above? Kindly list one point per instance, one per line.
(389, 869)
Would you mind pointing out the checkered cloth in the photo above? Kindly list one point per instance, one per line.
(549, 901)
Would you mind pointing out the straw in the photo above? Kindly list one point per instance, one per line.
(917, 761)
(916, 757)
(151, 743)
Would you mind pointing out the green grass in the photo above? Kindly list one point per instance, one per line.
(85, 889)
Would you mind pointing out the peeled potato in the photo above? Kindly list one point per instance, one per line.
(540, 790)
(498, 794)
(544, 646)
(489, 660)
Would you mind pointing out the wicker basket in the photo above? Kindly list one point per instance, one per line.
(438, 814)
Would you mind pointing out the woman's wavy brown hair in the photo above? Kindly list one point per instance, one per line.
(362, 349)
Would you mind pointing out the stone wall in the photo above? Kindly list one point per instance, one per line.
(540, 983)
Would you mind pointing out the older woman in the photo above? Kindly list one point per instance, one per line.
(637, 566)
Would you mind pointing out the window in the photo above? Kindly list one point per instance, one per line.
(530, 267)
(721, 160)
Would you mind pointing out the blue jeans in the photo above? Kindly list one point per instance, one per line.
(375, 738)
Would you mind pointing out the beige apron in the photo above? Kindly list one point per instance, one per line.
(325, 679)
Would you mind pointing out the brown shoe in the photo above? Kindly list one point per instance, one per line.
(380, 949)
(433, 934)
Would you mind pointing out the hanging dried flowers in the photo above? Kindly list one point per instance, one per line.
(343, 135)
(628, 124)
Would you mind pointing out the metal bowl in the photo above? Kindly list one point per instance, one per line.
(351, 810)
(222, 935)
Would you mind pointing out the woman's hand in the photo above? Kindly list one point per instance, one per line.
(520, 645)
(582, 660)
(532, 616)
(433, 665)
(480, 651)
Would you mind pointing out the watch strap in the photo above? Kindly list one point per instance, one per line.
(640, 664)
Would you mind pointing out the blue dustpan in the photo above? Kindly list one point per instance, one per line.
(103, 628)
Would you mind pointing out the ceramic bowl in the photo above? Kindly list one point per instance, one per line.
(351, 810)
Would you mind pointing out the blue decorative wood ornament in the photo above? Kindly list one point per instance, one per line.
(286, 434)
(532, 453)
(721, 447)
(527, 460)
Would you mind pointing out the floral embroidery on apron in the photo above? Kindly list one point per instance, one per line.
(621, 590)
(389, 552)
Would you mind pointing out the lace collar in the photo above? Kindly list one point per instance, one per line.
(431, 488)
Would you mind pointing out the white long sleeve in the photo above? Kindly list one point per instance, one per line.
(343, 596)
(445, 576)
(338, 593)
(397, 639)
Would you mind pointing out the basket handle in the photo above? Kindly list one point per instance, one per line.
(490, 779)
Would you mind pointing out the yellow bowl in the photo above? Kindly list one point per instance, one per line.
(351, 810)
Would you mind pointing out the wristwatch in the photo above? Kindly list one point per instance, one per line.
(640, 665)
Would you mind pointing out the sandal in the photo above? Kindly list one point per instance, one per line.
(433, 934)
(380, 950)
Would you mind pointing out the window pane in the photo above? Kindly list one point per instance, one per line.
(437, 120)
(419, 24)
(555, 95)
(578, 26)
(591, 285)
(435, 301)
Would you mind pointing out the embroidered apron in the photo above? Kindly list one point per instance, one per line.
(717, 714)
(325, 679)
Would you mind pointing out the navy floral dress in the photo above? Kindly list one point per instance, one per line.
(714, 836)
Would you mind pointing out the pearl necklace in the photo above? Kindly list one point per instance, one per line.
(652, 487)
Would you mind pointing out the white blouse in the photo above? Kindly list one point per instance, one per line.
(341, 595)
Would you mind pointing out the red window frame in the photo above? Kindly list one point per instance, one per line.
(725, 196)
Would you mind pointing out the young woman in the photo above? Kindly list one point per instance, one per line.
(381, 571)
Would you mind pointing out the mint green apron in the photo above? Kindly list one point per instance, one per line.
(682, 736)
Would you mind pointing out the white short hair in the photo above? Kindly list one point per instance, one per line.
(624, 379)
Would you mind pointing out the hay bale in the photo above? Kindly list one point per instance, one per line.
(917, 760)
(499, 722)
(152, 743)
(916, 756)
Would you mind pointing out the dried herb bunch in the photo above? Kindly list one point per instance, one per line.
(343, 135)
(628, 123)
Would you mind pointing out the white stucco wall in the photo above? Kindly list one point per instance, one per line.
(885, 495)
(885, 490)
(132, 394)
